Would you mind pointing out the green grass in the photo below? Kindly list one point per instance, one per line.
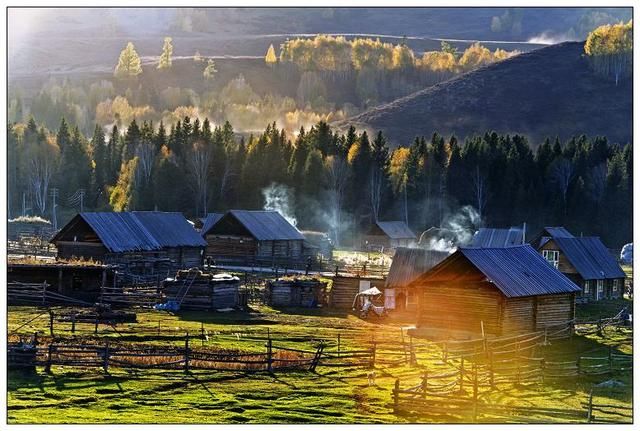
(332, 395)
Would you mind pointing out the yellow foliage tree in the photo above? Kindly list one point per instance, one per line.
(128, 63)
(270, 58)
(610, 50)
(121, 195)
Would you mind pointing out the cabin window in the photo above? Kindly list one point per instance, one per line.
(412, 299)
(616, 283)
(552, 256)
(600, 289)
(586, 287)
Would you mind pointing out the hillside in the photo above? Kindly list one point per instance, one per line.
(547, 92)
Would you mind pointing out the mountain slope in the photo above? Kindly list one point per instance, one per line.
(547, 92)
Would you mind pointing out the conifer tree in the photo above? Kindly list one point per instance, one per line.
(270, 58)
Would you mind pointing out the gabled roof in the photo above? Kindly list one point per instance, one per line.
(410, 263)
(209, 221)
(558, 232)
(139, 230)
(396, 229)
(516, 271)
(589, 257)
(263, 225)
(490, 237)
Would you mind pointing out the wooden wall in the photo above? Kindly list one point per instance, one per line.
(83, 250)
(460, 307)
(564, 266)
(554, 309)
(227, 245)
(344, 290)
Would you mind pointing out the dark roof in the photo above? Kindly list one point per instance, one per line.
(489, 237)
(264, 225)
(558, 232)
(140, 230)
(516, 271)
(590, 257)
(396, 229)
(209, 221)
(409, 263)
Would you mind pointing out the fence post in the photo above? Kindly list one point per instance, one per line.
(51, 322)
(372, 363)
(404, 347)
(475, 392)
(186, 353)
(269, 352)
(47, 367)
(412, 354)
(202, 332)
(396, 393)
(590, 411)
(73, 323)
(490, 369)
(425, 382)
(105, 363)
(610, 359)
(543, 365)
(95, 330)
(461, 380)
(338, 345)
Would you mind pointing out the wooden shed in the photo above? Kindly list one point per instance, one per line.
(241, 235)
(296, 292)
(197, 290)
(75, 280)
(588, 263)
(345, 287)
(388, 235)
(407, 265)
(501, 290)
(126, 238)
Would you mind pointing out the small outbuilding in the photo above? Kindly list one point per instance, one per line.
(141, 239)
(296, 292)
(242, 235)
(196, 290)
(407, 265)
(389, 235)
(496, 290)
(344, 288)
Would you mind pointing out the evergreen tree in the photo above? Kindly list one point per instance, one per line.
(270, 58)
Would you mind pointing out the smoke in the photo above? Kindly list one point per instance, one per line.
(456, 230)
(278, 197)
(548, 38)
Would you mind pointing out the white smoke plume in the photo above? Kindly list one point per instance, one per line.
(456, 230)
(548, 38)
(278, 197)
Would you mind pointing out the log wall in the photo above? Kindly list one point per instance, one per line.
(344, 290)
(296, 292)
(554, 310)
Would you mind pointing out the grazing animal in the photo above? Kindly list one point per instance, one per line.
(372, 378)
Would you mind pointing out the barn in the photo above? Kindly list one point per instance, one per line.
(407, 265)
(588, 263)
(250, 236)
(499, 290)
(388, 235)
(491, 237)
(145, 240)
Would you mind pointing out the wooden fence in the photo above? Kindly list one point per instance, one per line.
(609, 412)
(37, 294)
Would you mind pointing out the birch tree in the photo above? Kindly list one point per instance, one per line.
(480, 192)
(337, 177)
(198, 161)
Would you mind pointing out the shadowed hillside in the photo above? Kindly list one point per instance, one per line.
(546, 92)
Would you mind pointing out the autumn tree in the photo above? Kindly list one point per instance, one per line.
(270, 58)
(129, 64)
(610, 50)
(165, 58)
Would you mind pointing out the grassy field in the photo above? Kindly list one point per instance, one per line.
(331, 395)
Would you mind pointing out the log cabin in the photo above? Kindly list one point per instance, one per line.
(128, 238)
(497, 291)
(588, 263)
(388, 235)
(253, 236)
(407, 265)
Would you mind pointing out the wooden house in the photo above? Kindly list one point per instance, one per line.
(296, 292)
(131, 238)
(205, 223)
(407, 265)
(388, 235)
(498, 290)
(549, 232)
(492, 238)
(345, 288)
(253, 236)
(588, 263)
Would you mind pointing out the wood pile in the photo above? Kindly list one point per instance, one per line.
(297, 292)
(136, 295)
(197, 290)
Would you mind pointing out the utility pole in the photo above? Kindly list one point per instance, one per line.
(54, 218)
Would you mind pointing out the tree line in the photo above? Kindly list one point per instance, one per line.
(334, 181)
